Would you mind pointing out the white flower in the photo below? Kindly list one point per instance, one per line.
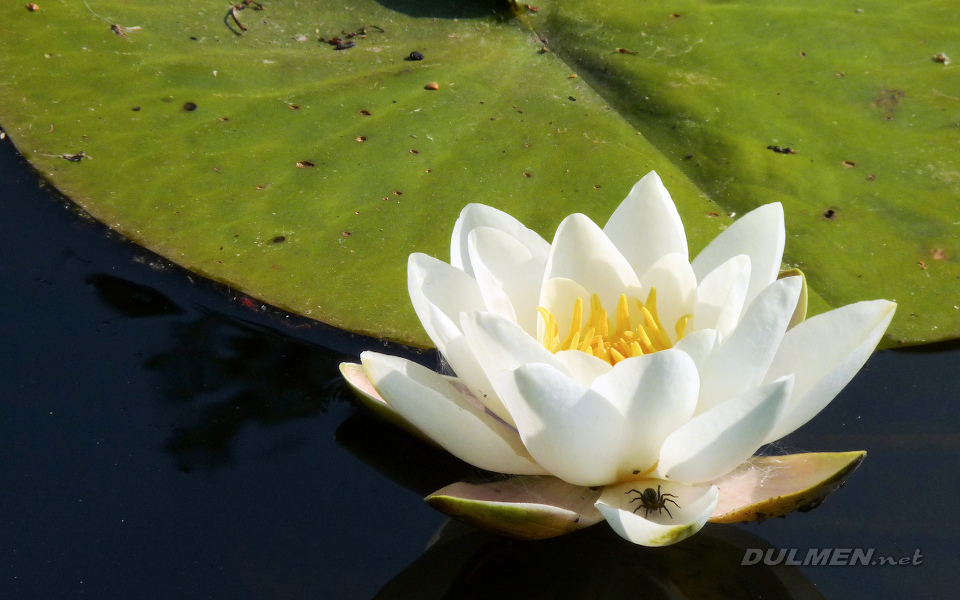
(608, 358)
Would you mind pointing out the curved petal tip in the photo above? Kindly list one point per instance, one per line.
(684, 512)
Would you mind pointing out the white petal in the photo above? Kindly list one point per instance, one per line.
(458, 354)
(481, 215)
(583, 253)
(450, 290)
(715, 442)
(371, 399)
(700, 346)
(437, 407)
(573, 431)
(582, 367)
(500, 345)
(745, 356)
(676, 289)
(646, 225)
(824, 353)
(760, 235)
(508, 274)
(608, 432)
(691, 508)
(460, 357)
(656, 393)
(721, 295)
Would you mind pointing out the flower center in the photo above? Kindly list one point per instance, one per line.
(612, 343)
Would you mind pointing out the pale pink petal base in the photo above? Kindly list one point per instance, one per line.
(772, 486)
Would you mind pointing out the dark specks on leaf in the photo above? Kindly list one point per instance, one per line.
(781, 150)
(190, 106)
(831, 213)
(415, 56)
(278, 240)
(304, 164)
(74, 157)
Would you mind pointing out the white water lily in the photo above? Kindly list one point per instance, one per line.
(608, 358)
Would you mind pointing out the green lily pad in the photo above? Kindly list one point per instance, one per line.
(847, 116)
(772, 486)
(304, 175)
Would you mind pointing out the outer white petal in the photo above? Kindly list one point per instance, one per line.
(824, 353)
(694, 506)
(570, 429)
(450, 290)
(441, 410)
(715, 442)
(500, 345)
(460, 357)
(656, 393)
(481, 215)
(760, 235)
(676, 289)
(583, 253)
(646, 225)
(744, 357)
(508, 274)
(611, 431)
(721, 295)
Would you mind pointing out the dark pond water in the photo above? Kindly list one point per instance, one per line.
(161, 438)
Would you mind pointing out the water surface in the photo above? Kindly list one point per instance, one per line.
(163, 437)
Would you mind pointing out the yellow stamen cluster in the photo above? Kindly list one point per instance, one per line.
(612, 343)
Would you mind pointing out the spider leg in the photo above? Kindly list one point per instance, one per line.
(668, 511)
(665, 500)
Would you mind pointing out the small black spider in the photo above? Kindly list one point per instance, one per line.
(651, 499)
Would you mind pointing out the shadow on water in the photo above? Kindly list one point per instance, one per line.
(450, 9)
(594, 563)
(222, 374)
(132, 299)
